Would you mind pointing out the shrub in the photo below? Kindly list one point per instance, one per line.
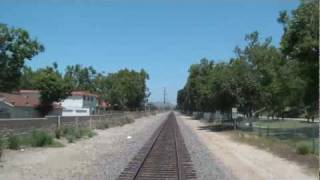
(106, 125)
(1, 145)
(13, 142)
(77, 134)
(91, 134)
(103, 126)
(58, 133)
(41, 138)
(303, 149)
(70, 138)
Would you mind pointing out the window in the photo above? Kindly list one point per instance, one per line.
(81, 111)
(67, 110)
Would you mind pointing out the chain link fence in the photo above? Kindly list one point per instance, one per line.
(294, 132)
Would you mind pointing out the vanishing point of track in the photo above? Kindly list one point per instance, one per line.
(164, 156)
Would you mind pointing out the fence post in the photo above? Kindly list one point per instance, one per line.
(59, 122)
(313, 139)
(77, 124)
(90, 122)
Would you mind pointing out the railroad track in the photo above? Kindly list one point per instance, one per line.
(164, 156)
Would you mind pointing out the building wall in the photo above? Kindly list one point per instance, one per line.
(73, 102)
(7, 111)
(90, 102)
(76, 102)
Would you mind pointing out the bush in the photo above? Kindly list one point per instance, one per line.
(41, 138)
(58, 133)
(13, 142)
(303, 149)
(77, 134)
(70, 138)
(1, 145)
(103, 126)
(91, 134)
(72, 133)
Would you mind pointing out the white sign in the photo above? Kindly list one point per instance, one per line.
(234, 113)
(234, 110)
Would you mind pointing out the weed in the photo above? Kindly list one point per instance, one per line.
(303, 149)
(70, 139)
(41, 138)
(91, 134)
(58, 133)
(13, 142)
(1, 146)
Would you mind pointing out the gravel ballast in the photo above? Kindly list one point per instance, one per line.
(125, 142)
(206, 166)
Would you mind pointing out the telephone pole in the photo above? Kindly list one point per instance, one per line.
(164, 95)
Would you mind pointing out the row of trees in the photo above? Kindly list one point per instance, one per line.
(125, 89)
(262, 77)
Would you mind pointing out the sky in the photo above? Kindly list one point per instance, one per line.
(163, 37)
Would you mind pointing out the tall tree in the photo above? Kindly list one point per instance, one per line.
(300, 42)
(16, 46)
(53, 88)
(125, 89)
(81, 78)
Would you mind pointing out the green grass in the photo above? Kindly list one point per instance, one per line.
(275, 124)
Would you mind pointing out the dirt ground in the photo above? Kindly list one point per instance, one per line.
(245, 161)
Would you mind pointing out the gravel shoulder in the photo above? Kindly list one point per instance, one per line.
(207, 166)
(101, 157)
(241, 160)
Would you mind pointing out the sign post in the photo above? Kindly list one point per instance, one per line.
(234, 117)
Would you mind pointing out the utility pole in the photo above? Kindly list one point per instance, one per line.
(164, 95)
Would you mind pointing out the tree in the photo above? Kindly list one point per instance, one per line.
(53, 88)
(125, 89)
(300, 42)
(27, 78)
(81, 78)
(16, 46)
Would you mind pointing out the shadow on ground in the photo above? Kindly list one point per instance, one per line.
(216, 128)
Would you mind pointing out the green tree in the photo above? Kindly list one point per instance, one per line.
(27, 78)
(53, 88)
(81, 78)
(125, 89)
(300, 42)
(16, 46)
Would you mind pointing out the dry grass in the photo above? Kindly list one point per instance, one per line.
(275, 146)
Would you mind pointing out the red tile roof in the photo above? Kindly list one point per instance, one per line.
(82, 93)
(19, 100)
(29, 91)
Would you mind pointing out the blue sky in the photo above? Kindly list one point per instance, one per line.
(163, 37)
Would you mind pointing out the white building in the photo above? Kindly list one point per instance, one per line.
(80, 103)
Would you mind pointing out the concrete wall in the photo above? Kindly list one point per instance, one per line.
(50, 123)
